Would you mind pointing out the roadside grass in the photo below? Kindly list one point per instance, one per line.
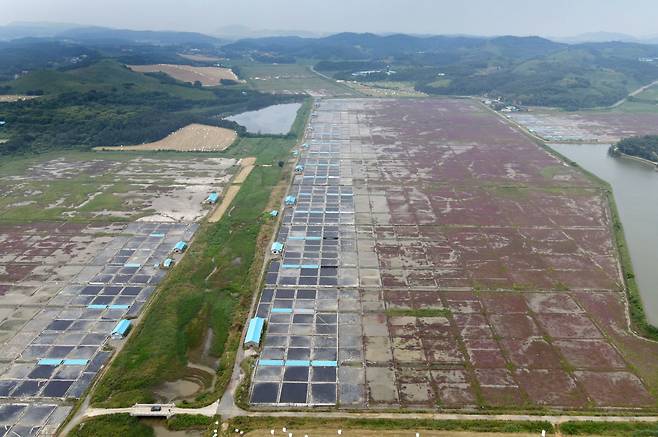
(247, 424)
(621, 429)
(113, 425)
(241, 396)
(189, 421)
(211, 287)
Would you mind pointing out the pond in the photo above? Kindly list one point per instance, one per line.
(635, 186)
(275, 119)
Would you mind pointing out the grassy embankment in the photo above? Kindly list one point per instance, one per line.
(114, 425)
(247, 424)
(211, 288)
(110, 426)
(125, 425)
(612, 429)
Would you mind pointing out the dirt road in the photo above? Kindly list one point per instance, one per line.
(246, 166)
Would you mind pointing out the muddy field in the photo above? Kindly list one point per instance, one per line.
(83, 237)
(208, 76)
(443, 259)
(113, 187)
(191, 138)
(5, 98)
(603, 127)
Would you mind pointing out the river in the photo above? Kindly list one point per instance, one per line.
(635, 186)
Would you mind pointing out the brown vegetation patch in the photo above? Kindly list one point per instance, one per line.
(191, 138)
(590, 354)
(208, 76)
(6, 98)
(551, 387)
(615, 389)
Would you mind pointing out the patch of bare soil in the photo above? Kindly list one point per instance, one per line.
(14, 98)
(191, 138)
(208, 76)
(247, 165)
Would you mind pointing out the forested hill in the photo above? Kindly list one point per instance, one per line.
(645, 147)
(526, 70)
(106, 103)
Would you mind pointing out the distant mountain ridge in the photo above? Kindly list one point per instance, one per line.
(358, 45)
(99, 34)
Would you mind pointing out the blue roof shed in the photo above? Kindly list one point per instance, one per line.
(212, 197)
(290, 200)
(180, 246)
(274, 213)
(277, 248)
(50, 361)
(167, 263)
(299, 168)
(254, 332)
(121, 328)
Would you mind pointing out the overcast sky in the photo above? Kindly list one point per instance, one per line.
(479, 17)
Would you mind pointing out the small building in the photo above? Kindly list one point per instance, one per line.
(167, 263)
(299, 169)
(277, 248)
(295, 153)
(75, 362)
(212, 198)
(121, 329)
(305, 146)
(254, 332)
(50, 362)
(290, 200)
(274, 213)
(180, 247)
(2, 122)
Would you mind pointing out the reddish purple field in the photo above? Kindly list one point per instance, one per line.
(517, 247)
(36, 253)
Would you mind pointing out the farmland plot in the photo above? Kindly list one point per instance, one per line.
(208, 76)
(437, 257)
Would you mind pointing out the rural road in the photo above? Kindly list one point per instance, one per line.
(634, 93)
(228, 411)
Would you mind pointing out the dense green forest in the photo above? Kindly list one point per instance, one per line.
(645, 147)
(107, 104)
